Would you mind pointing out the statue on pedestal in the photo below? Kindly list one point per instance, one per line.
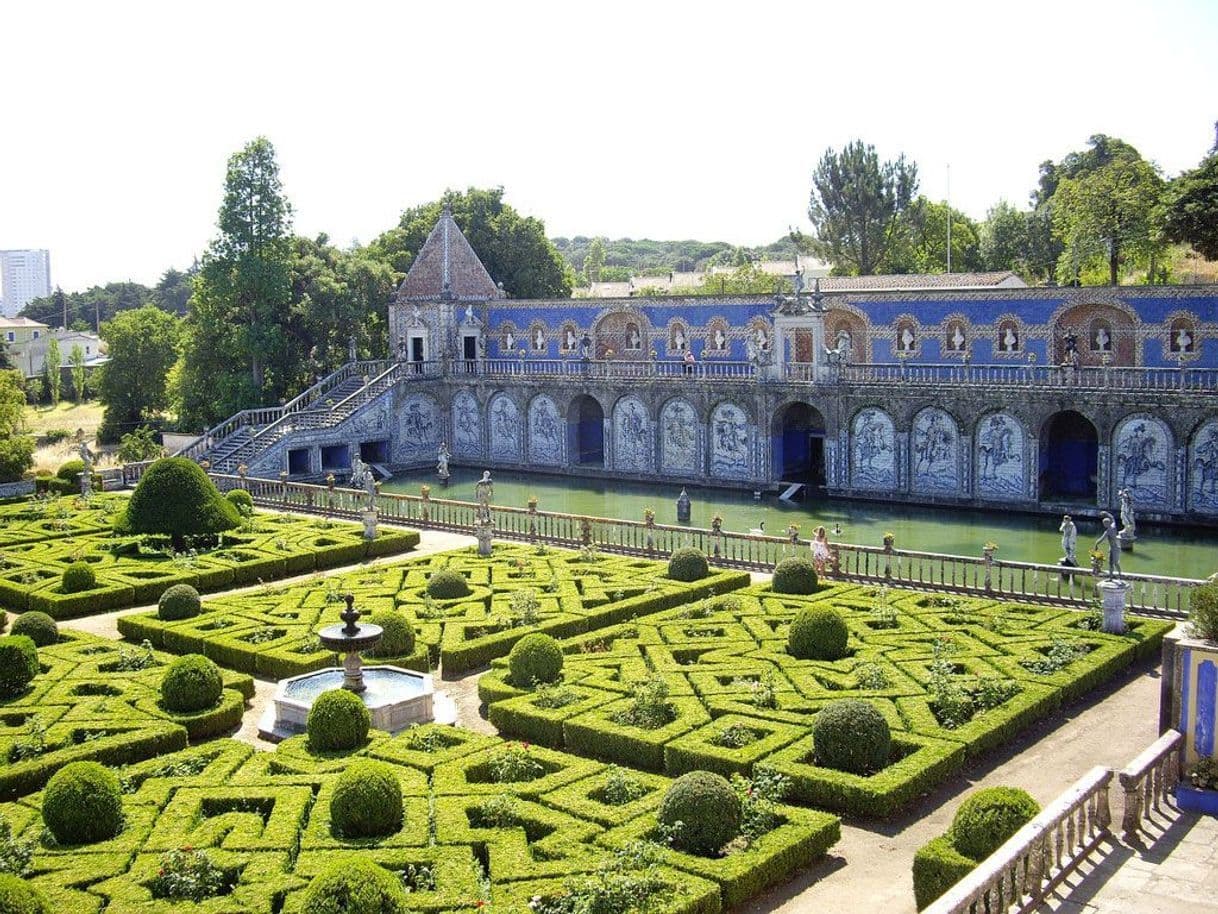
(484, 491)
(442, 458)
(1129, 520)
(362, 477)
(1112, 538)
(1069, 534)
(86, 475)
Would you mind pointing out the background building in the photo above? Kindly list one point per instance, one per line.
(24, 276)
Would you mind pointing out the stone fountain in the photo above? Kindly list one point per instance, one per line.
(395, 698)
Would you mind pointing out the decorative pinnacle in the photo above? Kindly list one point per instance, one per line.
(351, 616)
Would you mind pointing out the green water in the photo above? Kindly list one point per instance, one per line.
(1021, 537)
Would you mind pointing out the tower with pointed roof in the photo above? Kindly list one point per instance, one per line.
(446, 277)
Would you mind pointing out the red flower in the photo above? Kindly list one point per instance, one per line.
(525, 745)
(479, 903)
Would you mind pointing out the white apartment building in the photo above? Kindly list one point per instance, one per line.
(24, 276)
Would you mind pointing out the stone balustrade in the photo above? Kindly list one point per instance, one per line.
(1149, 780)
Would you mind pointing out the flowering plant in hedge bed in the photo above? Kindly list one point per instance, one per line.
(271, 633)
(951, 677)
(94, 699)
(260, 827)
(131, 570)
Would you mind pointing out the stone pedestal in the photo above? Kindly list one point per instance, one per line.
(483, 531)
(369, 518)
(684, 507)
(353, 673)
(1127, 538)
(1114, 594)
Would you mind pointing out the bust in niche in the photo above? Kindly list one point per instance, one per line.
(1103, 340)
(1010, 339)
(906, 339)
(720, 339)
(1182, 340)
(956, 341)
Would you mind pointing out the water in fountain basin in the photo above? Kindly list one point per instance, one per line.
(381, 686)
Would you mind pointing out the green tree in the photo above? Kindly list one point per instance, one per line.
(172, 292)
(132, 386)
(76, 358)
(242, 294)
(1108, 214)
(90, 308)
(921, 244)
(1004, 243)
(594, 262)
(54, 366)
(513, 248)
(856, 206)
(1192, 207)
(16, 448)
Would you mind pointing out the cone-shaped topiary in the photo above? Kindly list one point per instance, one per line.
(535, 658)
(817, 633)
(987, 818)
(83, 804)
(176, 499)
(181, 601)
(367, 801)
(20, 897)
(355, 885)
(191, 683)
(38, 627)
(447, 584)
(707, 808)
(18, 664)
(687, 565)
(78, 577)
(338, 721)
(398, 637)
(794, 576)
(851, 735)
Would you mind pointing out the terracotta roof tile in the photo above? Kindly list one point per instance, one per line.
(446, 268)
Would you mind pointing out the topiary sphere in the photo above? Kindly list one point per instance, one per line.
(987, 818)
(18, 664)
(175, 498)
(535, 658)
(447, 584)
(78, 577)
(338, 721)
(851, 735)
(181, 601)
(38, 627)
(355, 885)
(71, 470)
(241, 500)
(688, 565)
(367, 801)
(817, 633)
(707, 808)
(398, 637)
(20, 897)
(191, 683)
(794, 576)
(83, 804)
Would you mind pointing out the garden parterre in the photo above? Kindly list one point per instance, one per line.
(98, 699)
(520, 589)
(40, 538)
(466, 838)
(711, 686)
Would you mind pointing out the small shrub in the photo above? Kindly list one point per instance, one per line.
(550, 696)
(650, 708)
(621, 788)
(133, 659)
(20, 897)
(38, 627)
(83, 804)
(191, 683)
(1203, 611)
(18, 664)
(241, 500)
(524, 607)
(1204, 774)
(139, 444)
(818, 633)
(398, 637)
(355, 885)
(338, 721)
(56, 435)
(987, 818)
(447, 584)
(181, 601)
(759, 799)
(688, 565)
(703, 809)
(851, 735)
(498, 811)
(188, 874)
(535, 658)
(367, 800)
(513, 764)
(15, 854)
(79, 577)
(70, 471)
(794, 575)
(871, 676)
(734, 736)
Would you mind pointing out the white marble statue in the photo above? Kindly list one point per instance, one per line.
(1069, 534)
(720, 339)
(1129, 521)
(1010, 342)
(1113, 541)
(957, 338)
(484, 491)
(1103, 341)
(442, 458)
(539, 340)
(86, 475)
(1184, 340)
(571, 342)
(362, 477)
(907, 339)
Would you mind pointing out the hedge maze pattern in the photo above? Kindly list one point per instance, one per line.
(271, 632)
(265, 817)
(739, 699)
(40, 538)
(86, 703)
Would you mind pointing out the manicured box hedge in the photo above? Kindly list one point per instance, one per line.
(39, 539)
(83, 706)
(271, 633)
(265, 817)
(725, 663)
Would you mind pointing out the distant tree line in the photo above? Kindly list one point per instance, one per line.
(599, 259)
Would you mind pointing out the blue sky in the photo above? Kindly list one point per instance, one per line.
(652, 120)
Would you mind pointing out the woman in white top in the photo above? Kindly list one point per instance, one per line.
(820, 550)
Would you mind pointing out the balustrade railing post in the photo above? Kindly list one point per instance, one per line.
(283, 487)
(425, 506)
(532, 518)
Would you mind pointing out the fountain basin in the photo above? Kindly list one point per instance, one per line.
(395, 698)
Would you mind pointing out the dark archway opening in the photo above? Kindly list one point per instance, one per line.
(1069, 457)
(798, 445)
(586, 432)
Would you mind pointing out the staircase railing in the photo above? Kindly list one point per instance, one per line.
(1149, 779)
